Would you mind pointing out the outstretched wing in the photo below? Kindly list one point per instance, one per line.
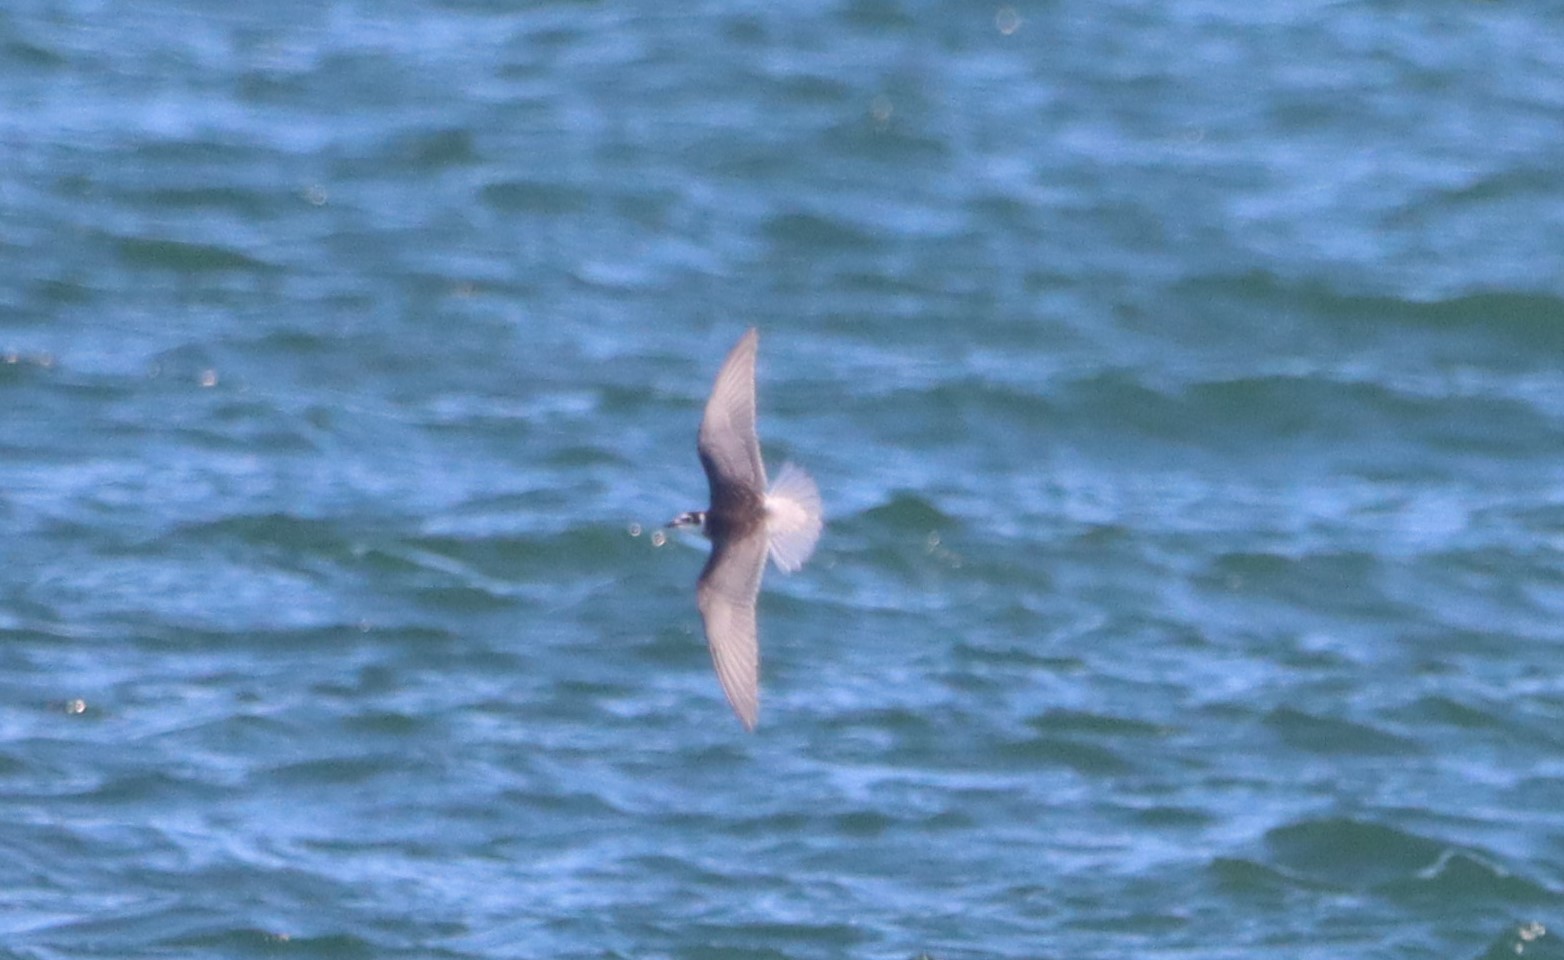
(726, 594)
(729, 448)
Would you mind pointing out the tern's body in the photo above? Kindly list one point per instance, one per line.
(745, 523)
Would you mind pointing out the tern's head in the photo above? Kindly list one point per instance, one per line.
(695, 518)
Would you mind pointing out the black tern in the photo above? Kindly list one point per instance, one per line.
(745, 522)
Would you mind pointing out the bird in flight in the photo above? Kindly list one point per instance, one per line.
(745, 523)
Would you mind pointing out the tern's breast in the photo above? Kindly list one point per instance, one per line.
(734, 519)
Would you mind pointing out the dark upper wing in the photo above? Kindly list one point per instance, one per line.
(729, 449)
(726, 595)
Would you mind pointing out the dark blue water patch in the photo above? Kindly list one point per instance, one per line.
(532, 197)
(433, 149)
(185, 256)
(137, 789)
(357, 769)
(460, 600)
(817, 234)
(30, 52)
(1162, 818)
(1506, 330)
(217, 940)
(1476, 713)
(1321, 418)
(508, 559)
(1337, 736)
(388, 724)
(1062, 721)
(908, 512)
(221, 420)
(979, 660)
(621, 399)
(146, 922)
(286, 535)
(728, 942)
(1523, 325)
(240, 201)
(347, 641)
(886, 143)
(1450, 710)
(1471, 878)
(51, 294)
(19, 370)
(1349, 577)
(583, 457)
(1361, 855)
(1258, 883)
(1078, 756)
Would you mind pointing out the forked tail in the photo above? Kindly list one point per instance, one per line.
(793, 517)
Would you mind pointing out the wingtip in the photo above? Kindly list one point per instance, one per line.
(746, 709)
(748, 721)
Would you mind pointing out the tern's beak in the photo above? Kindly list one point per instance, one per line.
(692, 519)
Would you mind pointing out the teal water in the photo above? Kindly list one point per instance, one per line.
(1185, 383)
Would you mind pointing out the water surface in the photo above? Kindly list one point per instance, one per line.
(1184, 383)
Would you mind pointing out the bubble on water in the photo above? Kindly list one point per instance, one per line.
(880, 110)
(659, 538)
(635, 529)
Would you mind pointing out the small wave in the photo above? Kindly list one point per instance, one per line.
(186, 257)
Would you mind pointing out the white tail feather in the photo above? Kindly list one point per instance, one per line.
(793, 518)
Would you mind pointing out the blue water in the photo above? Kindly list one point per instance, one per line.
(1185, 383)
